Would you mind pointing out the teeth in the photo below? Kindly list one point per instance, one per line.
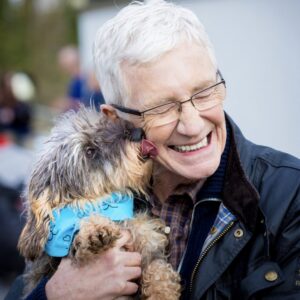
(201, 144)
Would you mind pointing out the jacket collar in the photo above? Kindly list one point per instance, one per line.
(239, 194)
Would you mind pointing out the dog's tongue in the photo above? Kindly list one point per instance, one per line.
(148, 149)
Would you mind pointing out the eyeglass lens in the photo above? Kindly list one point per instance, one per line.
(201, 102)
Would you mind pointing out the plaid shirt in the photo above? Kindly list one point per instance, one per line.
(177, 211)
(224, 218)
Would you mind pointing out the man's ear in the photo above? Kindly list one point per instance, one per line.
(109, 111)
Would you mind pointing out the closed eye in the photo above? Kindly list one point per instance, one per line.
(204, 94)
(161, 108)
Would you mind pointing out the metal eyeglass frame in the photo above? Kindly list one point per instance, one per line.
(142, 113)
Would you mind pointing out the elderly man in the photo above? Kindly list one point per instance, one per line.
(232, 207)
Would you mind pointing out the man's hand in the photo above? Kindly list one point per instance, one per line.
(108, 277)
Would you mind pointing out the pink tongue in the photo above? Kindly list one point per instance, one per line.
(148, 149)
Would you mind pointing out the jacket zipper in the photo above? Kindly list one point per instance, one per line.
(191, 222)
(206, 251)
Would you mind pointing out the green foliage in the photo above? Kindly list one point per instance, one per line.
(29, 41)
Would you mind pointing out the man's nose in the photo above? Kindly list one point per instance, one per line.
(190, 121)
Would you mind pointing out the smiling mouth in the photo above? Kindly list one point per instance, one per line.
(189, 148)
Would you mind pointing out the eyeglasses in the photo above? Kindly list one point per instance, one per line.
(168, 112)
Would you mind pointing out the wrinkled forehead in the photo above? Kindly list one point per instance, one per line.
(173, 76)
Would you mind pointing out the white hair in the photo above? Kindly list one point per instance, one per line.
(141, 33)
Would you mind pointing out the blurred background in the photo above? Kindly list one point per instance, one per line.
(46, 68)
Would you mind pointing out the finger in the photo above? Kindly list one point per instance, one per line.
(133, 273)
(130, 288)
(132, 259)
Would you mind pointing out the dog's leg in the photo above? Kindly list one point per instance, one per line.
(148, 237)
(96, 235)
(160, 282)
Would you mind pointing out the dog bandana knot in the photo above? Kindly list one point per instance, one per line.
(66, 220)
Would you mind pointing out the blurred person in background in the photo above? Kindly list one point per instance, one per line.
(15, 126)
(15, 162)
(94, 96)
(16, 89)
(82, 87)
(69, 62)
(231, 207)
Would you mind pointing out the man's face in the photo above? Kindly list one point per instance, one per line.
(190, 146)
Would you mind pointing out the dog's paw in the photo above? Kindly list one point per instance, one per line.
(96, 235)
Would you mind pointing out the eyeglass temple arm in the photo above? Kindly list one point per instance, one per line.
(127, 110)
(221, 76)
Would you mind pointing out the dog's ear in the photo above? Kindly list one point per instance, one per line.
(109, 111)
(42, 195)
(35, 233)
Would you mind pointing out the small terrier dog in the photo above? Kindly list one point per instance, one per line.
(87, 157)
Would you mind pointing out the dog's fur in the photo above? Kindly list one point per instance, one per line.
(86, 157)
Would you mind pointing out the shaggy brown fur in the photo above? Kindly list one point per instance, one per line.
(86, 157)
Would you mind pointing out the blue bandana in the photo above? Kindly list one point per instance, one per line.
(66, 222)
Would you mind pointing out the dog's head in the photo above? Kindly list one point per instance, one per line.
(87, 156)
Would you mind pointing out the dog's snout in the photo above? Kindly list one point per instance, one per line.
(134, 134)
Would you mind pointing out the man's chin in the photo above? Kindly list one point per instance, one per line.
(201, 173)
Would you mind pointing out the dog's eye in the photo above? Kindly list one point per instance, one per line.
(90, 152)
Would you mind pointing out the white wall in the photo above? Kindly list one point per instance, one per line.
(88, 23)
(257, 45)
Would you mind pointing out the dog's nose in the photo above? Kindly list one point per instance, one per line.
(134, 134)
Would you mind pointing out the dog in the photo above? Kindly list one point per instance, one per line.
(86, 158)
